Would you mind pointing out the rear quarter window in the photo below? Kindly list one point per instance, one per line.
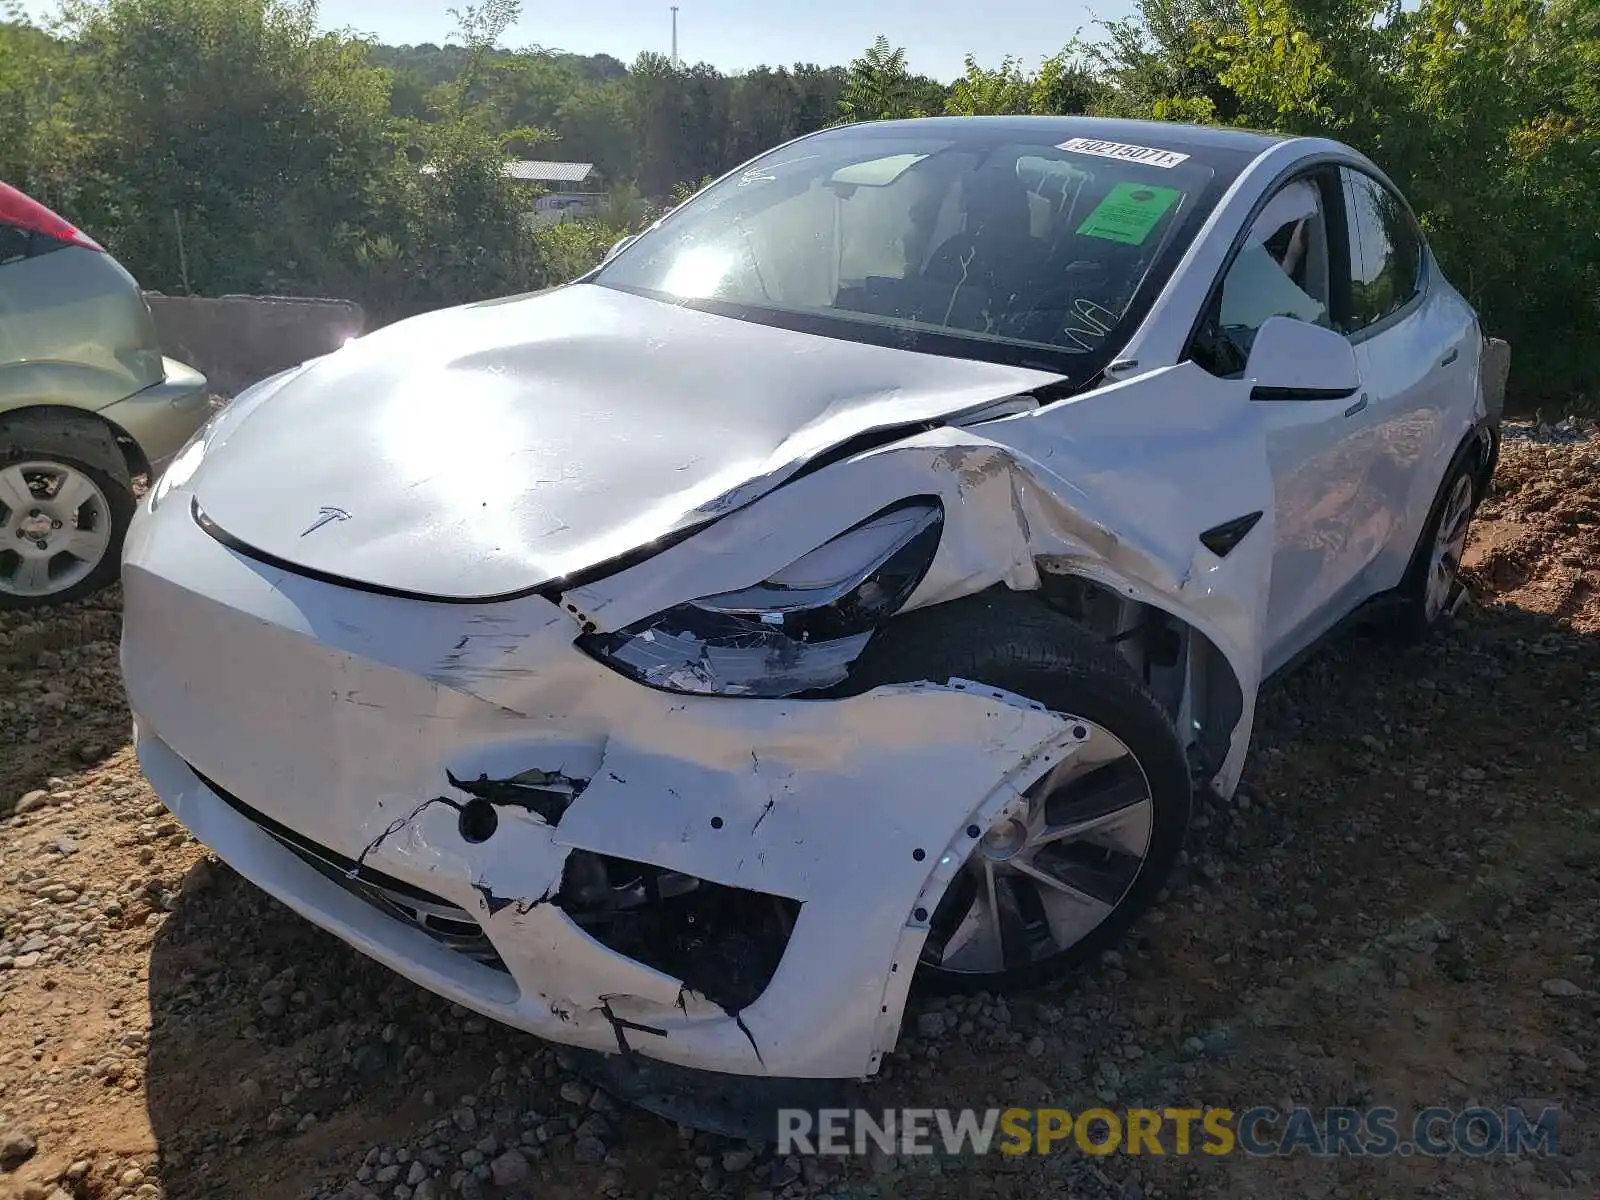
(1385, 251)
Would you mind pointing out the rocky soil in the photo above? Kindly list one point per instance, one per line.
(1401, 907)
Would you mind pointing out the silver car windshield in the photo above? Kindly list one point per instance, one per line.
(1033, 246)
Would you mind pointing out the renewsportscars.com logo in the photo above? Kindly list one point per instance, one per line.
(1256, 1132)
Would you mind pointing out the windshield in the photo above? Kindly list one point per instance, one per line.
(1034, 254)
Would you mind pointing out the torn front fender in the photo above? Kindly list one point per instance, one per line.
(775, 801)
(1116, 485)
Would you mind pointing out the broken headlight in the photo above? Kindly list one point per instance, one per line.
(799, 630)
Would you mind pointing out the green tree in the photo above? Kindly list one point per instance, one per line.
(1499, 147)
(658, 95)
(820, 89)
(878, 87)
(40, 143)
(595, 125)
(763, 111)
(449, 225)
(981, 92)
(1065, 83)
(1161, 62)
(228, 142)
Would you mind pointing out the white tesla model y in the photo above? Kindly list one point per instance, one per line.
(849, 580)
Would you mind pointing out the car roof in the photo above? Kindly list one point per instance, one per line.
(1241, 145)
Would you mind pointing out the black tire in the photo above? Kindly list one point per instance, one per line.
(87, 446)
(1014, 642)
(1412, 620)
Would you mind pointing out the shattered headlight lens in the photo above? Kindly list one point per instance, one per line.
(799, 630)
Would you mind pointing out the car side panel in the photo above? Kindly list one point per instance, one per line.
(75, 330)
(1445, 405)
(1426, 373)
(163, 417)
(1319, 452)
(1315, 453)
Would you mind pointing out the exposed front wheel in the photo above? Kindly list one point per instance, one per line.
(1062, 873)
(64, 509)
(1049, 874)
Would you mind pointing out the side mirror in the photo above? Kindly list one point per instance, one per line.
(1295, 360)
(617, 247)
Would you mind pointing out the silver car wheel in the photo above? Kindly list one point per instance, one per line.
(55, 528)
(1449, 545)
(1052, 867)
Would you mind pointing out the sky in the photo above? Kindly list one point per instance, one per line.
(735, 34)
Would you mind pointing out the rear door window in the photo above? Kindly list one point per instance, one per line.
(1385, 251)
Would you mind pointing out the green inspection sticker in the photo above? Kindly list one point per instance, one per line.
(1129, 212)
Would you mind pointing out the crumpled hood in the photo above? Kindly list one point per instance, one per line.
(492, 448)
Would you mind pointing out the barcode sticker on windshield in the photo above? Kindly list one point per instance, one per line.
(1148, 155)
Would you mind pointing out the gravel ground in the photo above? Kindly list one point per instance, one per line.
(1401, 906)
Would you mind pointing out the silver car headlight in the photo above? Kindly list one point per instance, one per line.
(797, 631)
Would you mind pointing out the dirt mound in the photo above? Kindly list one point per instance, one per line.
(1538, 534)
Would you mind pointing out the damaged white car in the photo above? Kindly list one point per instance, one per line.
(846, 582)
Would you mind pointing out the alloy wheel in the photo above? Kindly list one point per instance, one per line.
(55, 528)
(1449, 545)
(1051, 868)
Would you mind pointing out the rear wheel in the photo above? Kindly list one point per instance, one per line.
(65, 504)
(1061, 874)
(1432, 585)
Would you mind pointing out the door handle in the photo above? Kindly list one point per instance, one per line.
(1357, 406)
(1450, 358)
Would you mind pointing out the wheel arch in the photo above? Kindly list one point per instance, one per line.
(1479, 448)
(1183, 667)
(1486, 435)
(63, 416)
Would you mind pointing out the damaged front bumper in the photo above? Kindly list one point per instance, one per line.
(740, 885)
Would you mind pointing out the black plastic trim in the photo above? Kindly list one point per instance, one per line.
(546, 590)
(1306, 393)
(358, 871)
(1221, 539)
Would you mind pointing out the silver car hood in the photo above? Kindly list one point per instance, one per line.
(488, 449)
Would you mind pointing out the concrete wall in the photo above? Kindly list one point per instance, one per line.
(236, 340)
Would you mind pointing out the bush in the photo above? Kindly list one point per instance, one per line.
(230, 145)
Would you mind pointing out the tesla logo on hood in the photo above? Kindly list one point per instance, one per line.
(326, 516)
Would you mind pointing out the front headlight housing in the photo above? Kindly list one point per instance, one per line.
(797, 631)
